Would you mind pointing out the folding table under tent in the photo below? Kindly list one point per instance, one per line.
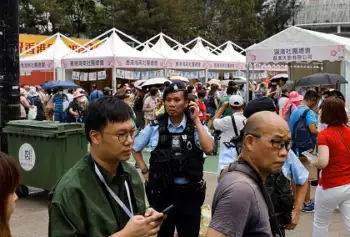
(295, 45)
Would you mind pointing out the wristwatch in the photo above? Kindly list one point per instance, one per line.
(144, 170)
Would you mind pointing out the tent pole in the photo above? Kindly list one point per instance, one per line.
(247, 83)
(114, 79)
(148, 41)
(37, 45)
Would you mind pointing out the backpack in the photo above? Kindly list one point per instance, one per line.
(301, 137)
(244, 167)
(211, 101)
(236, 141)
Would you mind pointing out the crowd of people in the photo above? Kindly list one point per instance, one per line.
(270, 152)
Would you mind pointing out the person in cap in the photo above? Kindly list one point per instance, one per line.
(230, 126)
(102, 195)
(75, 108)
(292, 169)
(294, 100)
(175, 176)
(34, 100)
(107, 91)
(60, 100)
(229, 92)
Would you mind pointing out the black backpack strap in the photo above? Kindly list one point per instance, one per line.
(245, 168)
(305, 113)
(234, 124)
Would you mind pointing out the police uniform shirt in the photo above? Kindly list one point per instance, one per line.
(292, 167)
(149, 137)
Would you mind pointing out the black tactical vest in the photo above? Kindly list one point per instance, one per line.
(176, 155)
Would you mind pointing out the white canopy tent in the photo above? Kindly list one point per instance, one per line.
(214, 61)
(296, 45)
(176, 59)
(114, 53)
(49, 59)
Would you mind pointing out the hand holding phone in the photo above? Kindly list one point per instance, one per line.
(309, 156)
(168, 209)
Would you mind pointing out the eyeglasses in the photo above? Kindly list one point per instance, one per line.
(122, 137)
(276, 142)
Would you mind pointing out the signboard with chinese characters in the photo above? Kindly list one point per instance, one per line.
(39, 65)
(185, 64)
(227, 66)
(87, 63)
(140, 63)
(269, 67)
(27, 42)
(297, 54)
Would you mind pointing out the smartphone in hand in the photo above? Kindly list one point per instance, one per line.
(309, 156)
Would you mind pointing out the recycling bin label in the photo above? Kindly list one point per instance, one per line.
(26, 157)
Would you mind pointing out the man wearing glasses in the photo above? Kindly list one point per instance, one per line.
(175, 177)
(102, 195)
(292, 169)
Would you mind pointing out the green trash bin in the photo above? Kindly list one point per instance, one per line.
(45, 150)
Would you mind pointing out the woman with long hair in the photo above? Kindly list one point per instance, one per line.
(9, 181)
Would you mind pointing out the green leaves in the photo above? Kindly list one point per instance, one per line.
(242, 21)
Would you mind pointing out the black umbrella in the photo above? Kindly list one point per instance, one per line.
(322, 79)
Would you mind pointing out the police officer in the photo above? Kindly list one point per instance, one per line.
(175, 176)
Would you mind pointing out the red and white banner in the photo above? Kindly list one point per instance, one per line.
(296, 54)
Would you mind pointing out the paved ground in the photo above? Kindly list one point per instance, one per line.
(31, 218)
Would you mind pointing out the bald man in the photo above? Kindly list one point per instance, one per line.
(239, 208)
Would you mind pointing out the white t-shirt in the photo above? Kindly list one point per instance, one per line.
(225, 125)
(281, 103)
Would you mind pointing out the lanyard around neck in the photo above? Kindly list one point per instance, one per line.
(128, 211)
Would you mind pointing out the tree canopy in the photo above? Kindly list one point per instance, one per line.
(242, 21)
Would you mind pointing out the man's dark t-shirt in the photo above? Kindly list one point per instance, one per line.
(239, 208)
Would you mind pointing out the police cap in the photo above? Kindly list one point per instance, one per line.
(174, 87)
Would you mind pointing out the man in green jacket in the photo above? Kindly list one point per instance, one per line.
(102, 195)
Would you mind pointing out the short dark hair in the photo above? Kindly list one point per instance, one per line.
(70, 90)
(153, 91)
(192, 97)
(231, 83)
(333, 112)
(311, 96)
(230, 90)
(94, 86)
(202, 93)
(190, 88)
(103, 110)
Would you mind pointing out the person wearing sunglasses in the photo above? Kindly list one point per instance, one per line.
(292, 169)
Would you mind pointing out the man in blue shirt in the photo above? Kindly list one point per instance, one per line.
(175, 177)
(310, 100)
(292, 169)
(60, 100)
(95, 94)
